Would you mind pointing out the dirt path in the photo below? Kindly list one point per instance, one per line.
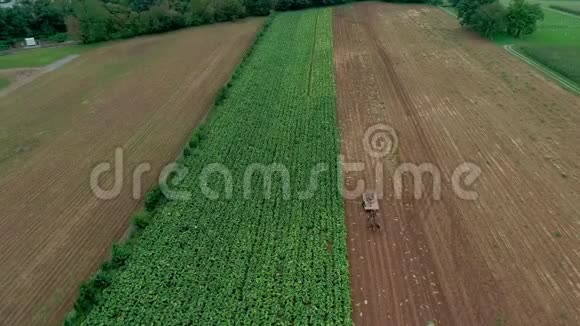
(143, 95)
(21, 77)
(511, 256)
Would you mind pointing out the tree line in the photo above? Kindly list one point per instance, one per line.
(38, 18)
(101, 20)
(491, 19)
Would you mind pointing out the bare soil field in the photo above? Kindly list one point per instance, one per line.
(510, 257)
(143, 95)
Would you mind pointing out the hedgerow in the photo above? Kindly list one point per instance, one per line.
(153, 198)
(251, 259)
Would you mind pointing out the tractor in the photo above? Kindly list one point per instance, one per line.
(371, 206)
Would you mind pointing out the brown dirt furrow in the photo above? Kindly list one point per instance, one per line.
(145, 96)
(454, 98)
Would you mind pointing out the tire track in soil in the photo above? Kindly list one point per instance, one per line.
(411, 67)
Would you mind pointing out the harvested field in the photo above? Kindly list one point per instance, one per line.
(145, 96)
(510, 257)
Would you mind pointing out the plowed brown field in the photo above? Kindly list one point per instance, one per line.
(145, 96)
(511, 257)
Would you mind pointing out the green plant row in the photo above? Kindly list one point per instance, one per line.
(564, 60)
(252, 259)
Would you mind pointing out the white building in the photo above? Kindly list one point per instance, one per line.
(30, 41)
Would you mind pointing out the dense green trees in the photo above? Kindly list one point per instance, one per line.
(38, 18)
(491, 18)
(522, 18)
(259, 7)
(94, 20)
(467, 9)
(100, 20)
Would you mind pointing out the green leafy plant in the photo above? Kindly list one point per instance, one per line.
(142, 219)
(522, 18)
(251, 258)
(59, 37)
(153, 198)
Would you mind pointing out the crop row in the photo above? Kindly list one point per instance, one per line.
(568, 9)
(565, 60)
(251, 258)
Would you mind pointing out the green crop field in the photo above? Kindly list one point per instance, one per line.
(563, 60)
(571, 7)
(556, 29)
(566, 9)
(254, 258)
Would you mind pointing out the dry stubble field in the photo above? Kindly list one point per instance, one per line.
(144, 95)
(509, 258)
